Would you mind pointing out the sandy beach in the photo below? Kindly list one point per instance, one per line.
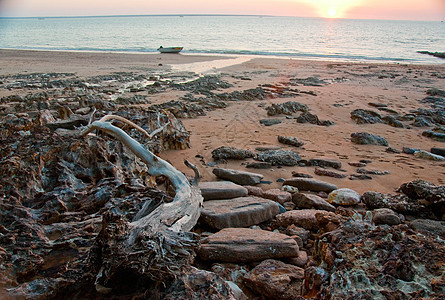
(345, 88)
(84, 217)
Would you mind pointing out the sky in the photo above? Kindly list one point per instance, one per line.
(430, 10)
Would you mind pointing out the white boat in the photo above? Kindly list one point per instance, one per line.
(170, 49)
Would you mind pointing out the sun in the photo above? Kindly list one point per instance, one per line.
(332, 12)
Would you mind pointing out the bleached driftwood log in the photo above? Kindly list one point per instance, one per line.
(156, 243)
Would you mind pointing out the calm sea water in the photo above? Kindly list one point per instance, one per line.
(331, 39)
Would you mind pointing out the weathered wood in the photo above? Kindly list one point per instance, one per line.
(157, 243)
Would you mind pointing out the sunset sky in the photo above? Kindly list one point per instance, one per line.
(356, 9)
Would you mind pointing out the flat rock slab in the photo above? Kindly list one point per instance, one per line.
(240, 245)
(275, 279)
(325, 162)
(238, 212)
(214, 190)
(310, 184)
(239, 177)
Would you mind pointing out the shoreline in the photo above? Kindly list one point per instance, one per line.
(349, 86)
(251, 55)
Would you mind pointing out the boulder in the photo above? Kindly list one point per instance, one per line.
(270, 122)
(325, 162)
(278, 195)
(225, 152)
(238, 212)
(428, 226)
(273, 279)
(427, 155)
(310, 184)
(241, 245)
(279, 157)
(293, 141)
(365, 116)
(303, 200)
(364, 138)
(214, 190)
(344, 197)
(239, 177)
(385, 216)
(305, 218)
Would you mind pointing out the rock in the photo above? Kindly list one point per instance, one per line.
(422, 121)
(409, 150)
(364, 138)
(301, 235)
(357, 164)
(429, 226)
(392, 121)
(344, 197)
(221, 190)
(323, 172)
(303, 200)
(279, 157)
(254, 191)
(438, 151)
(270, 122)
(299, 261)
(225, 152)
(371, 172)
(238, 212)
(310, 184)
(428, 155)
(273, 279)
(287, 108)
(364, 116)
(307, 117)
(385, 216)
(278, 195)
(288, 188)
(301, 175)
(241, 245)
(239, 177)
(259, 165)
(437, 136)
(305, 218)
(293, 141)
(392, 150)
(325, 162)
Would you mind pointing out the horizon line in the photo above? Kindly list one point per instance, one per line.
(199, 15)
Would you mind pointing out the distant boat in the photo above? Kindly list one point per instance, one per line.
(170, 49)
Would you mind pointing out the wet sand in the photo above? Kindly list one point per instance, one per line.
(351, 86)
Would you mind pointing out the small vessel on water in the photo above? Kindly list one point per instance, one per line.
(170, 49)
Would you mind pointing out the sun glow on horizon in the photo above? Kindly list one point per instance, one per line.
(332, 12)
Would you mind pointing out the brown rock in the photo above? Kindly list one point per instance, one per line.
(239, 245)
(278, 195)
(238, 212)
(299, 261)
(310, 184)
(305, 218)
(274, 279)
(239, 177)
(303, 200)
(385, 216)
(254, 191)
(323, 172)
(221, 190)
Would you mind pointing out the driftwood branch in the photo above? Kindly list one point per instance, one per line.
(157, 243)
(183, 212)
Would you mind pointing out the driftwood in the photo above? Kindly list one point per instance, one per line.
(157, 244)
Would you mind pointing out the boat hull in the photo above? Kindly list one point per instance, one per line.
(170, 49)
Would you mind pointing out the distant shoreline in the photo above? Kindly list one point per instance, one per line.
(252, 55)
(204, 15)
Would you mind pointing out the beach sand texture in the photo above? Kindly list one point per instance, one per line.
(343, 88)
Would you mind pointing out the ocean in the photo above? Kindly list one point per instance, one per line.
(306, 38)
